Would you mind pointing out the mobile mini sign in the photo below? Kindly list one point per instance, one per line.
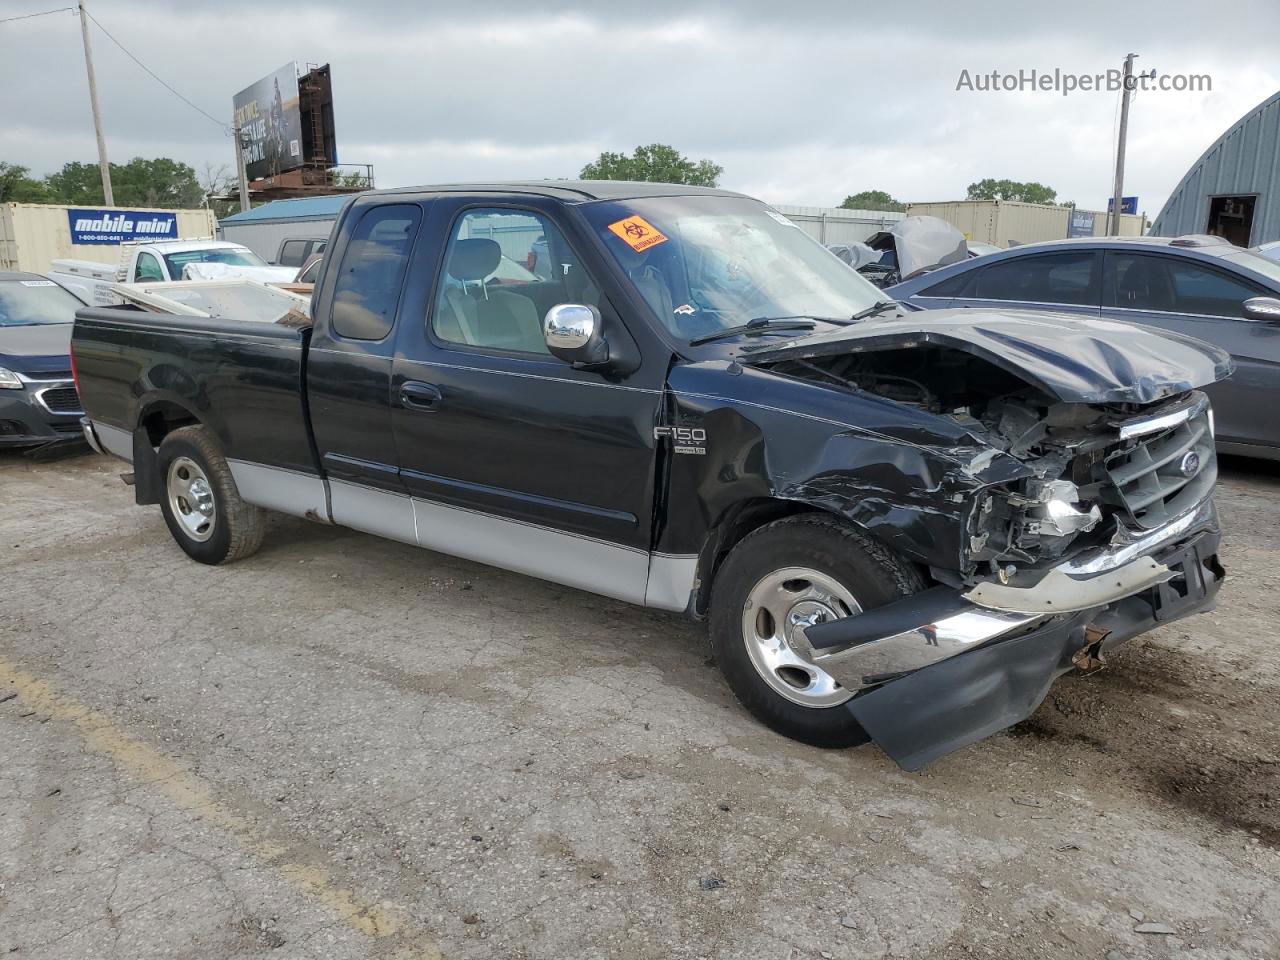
(116, 226)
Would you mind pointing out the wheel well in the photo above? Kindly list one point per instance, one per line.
(734, 524)
(163, 418)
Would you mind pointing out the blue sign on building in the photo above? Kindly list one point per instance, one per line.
(115, 226)
(1127, 205)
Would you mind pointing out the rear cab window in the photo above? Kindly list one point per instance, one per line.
(367, 290)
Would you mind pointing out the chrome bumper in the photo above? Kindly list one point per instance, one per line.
(990, 610)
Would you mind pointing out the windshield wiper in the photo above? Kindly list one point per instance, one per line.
(880, 306)
(757, 326)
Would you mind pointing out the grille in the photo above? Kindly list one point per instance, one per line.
(1165, 474)
(61, 400)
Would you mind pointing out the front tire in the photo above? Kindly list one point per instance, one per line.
(201, 505)
(788, 574)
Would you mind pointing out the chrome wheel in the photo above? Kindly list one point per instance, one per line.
(776, 608)
(191, 499)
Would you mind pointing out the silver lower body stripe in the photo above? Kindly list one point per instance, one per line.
(117, 442)
(276, 488)
(605, 568)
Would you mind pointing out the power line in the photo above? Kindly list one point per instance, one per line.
(221, 123)
(42, 13)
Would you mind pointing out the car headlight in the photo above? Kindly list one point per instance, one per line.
(10, 380)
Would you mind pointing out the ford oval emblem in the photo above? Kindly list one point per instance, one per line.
(1189, 465)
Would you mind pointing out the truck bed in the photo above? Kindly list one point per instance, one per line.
(242, 379)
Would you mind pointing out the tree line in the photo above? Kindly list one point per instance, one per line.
(161, 183)
(169, 184)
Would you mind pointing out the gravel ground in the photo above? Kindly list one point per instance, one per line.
(343, 747)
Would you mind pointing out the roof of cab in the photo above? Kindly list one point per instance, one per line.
(570, 191)
(15, 275)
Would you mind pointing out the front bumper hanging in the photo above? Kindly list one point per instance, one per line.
(945, 668)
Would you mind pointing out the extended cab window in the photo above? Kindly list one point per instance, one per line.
(504, 269)
(1050, 278)
(1145, 282)
(148, 268)
(367, 291)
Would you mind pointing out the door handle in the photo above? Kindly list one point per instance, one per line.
(420, 396)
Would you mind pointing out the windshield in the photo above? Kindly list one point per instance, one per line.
(707, 263)
(27, 302)
(234, 256)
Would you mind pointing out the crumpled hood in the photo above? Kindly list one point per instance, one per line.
(1075, 359)
(35, 348)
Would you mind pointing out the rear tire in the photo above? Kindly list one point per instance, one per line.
(201, 505)
(800, 569)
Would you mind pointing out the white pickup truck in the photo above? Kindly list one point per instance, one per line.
(163, 261)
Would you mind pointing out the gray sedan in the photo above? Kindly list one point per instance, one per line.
(1199, 286)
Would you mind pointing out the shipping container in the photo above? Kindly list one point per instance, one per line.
(1010, 222)
(33, 235)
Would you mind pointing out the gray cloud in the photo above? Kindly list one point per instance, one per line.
(800, 102)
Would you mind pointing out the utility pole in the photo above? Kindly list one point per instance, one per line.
(103, 163)
(1113, 226)
(240, 174)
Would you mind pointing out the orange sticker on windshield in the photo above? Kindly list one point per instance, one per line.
(638, 233)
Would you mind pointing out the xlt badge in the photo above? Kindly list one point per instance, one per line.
(685, 439)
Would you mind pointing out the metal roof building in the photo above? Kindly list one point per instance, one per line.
(262, 229)
(1233, 190)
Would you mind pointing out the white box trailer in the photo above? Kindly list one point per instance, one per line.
(1011, 222)
(33, 235)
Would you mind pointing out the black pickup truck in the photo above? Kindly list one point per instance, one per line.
(901, 525)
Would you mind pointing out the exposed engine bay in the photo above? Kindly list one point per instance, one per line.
(1095, 472)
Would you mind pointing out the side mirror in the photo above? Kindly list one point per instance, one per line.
(1265, 309)
(574, 334)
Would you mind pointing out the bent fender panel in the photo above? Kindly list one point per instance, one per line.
(908, 478)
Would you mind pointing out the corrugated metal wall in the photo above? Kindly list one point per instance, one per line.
(830, 225)
(33, 235)
(1244, 160)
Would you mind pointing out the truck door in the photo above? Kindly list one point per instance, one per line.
(511, 456)
(349, 369)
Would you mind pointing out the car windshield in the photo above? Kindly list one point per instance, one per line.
(234, 256)
(708, 263)
(24, 303)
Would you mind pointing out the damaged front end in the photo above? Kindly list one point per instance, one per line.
(1086, 519)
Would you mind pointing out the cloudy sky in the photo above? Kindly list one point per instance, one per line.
(799, 101)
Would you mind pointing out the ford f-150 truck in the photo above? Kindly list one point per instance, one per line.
(902, 525)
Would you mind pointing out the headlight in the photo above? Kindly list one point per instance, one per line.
(10, 380)
(1213, 433)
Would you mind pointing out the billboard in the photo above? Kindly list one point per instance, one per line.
(270, 123)
(116, 226)
(1081, 224)
(1127, 205)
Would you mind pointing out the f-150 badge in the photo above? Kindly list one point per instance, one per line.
(685, 439)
